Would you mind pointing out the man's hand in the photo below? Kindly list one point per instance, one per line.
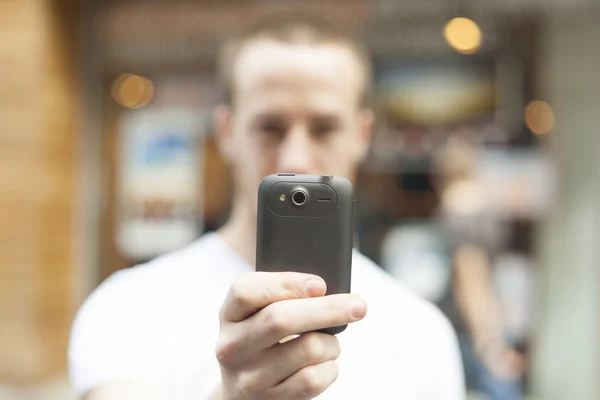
(261, 309)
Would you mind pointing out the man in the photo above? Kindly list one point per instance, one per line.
(199, 323)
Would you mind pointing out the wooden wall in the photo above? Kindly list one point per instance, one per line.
(37, 176)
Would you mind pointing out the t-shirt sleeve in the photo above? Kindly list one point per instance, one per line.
(447, 380)
(111, 338)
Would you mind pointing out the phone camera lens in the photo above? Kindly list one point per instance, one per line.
(299, 197)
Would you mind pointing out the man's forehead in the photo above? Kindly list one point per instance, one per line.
(264, 63)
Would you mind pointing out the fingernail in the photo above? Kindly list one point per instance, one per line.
(358, 308)
(314, 286)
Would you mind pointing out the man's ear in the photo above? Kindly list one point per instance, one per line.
(223, 125)
(366, 126)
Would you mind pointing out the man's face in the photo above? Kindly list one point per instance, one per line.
(295, 109)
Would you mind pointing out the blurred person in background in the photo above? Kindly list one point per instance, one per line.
(200, 323)
(492, 365)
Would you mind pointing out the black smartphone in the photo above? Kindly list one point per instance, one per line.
(306, 224)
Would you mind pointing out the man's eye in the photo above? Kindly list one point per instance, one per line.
(272, 129)
(324, 129)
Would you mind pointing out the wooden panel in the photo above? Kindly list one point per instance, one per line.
(215, 183)
(37, 176)
(112, 259)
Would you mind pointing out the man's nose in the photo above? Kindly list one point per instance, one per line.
(295, 153)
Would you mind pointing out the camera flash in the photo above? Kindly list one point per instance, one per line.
(282, 197)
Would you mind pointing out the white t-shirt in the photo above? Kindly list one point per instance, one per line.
(159, 323)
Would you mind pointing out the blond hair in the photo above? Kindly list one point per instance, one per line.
(293, 31)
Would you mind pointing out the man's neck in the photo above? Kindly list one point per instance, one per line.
(240, 232)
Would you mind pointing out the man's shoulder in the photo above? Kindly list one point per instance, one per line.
(194, 261)
(395, 304)
(124, 329)
(415, 336)
(171, 278)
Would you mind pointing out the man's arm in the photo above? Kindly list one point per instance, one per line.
(474, 294)
(481, 311)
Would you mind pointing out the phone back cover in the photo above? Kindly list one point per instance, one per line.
(316, 245)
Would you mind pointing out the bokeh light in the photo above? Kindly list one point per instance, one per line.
(464, 35)
(539, 117)
(132, 91)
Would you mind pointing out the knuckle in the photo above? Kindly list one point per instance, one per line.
(313, 347)
(225, 351)
(222, 313)
(238, 292)
(312, 382)
(275, 320)
(316, 380)
(335, 372)
(337, 349)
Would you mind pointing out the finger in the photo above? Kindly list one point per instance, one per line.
(254, 291)
(289, 317)
(285, 359)
(307, 383)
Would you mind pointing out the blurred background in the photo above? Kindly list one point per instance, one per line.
(481, 192)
